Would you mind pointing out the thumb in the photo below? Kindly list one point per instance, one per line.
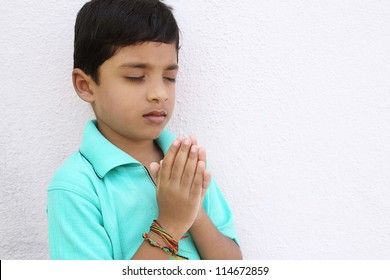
(154, 169)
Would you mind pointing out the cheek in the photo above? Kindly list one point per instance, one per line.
(172, 95)
(110, 102)
(173, 101)
(106, 104)
(116, 97)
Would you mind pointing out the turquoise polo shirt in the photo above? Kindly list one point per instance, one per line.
(102, 200)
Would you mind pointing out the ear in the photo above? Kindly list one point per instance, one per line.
(83, 85)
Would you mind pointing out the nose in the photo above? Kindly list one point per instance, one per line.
(158, 92)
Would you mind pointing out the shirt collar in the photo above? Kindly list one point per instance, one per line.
(104, 156)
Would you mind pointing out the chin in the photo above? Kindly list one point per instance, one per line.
(154, 133)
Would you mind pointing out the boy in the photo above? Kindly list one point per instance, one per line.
(133, 191)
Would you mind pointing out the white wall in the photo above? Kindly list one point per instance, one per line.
(290, 98)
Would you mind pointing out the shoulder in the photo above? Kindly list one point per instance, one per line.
(75, 175)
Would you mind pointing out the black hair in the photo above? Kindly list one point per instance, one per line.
(104, 26)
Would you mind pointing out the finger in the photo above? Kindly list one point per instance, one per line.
(169, 159)
(194, 140)
(154, 168)
(202, 157)
(206, 181)
(180, 160)
(196, 189)
(202, 154)
(190, 169)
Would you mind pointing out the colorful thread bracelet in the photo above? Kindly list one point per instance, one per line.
(155, 244)
(172, 244)
(165, 249)
(168, 239)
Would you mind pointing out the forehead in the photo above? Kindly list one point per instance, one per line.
(149, 53)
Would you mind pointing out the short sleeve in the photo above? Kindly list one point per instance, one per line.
(219, 211)
(76, 229)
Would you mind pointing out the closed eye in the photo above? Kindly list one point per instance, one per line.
(173, 80)
(136, 79)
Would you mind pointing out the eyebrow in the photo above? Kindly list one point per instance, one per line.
(146, 66)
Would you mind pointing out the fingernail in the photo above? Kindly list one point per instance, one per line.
(187, 142)
(175, 143)
(201, 164)
(194, 149)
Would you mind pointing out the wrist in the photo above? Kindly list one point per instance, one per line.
(171, 229)
(172, 244)
(202, 216)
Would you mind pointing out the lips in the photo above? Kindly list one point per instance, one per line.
(156, 116)
(156, 113)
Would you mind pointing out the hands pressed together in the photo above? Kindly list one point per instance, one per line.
(182, 181)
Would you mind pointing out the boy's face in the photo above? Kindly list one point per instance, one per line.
(136, 93)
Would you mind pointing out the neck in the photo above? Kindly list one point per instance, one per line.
(145, 151)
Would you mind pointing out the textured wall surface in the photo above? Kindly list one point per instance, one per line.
(290, 98)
